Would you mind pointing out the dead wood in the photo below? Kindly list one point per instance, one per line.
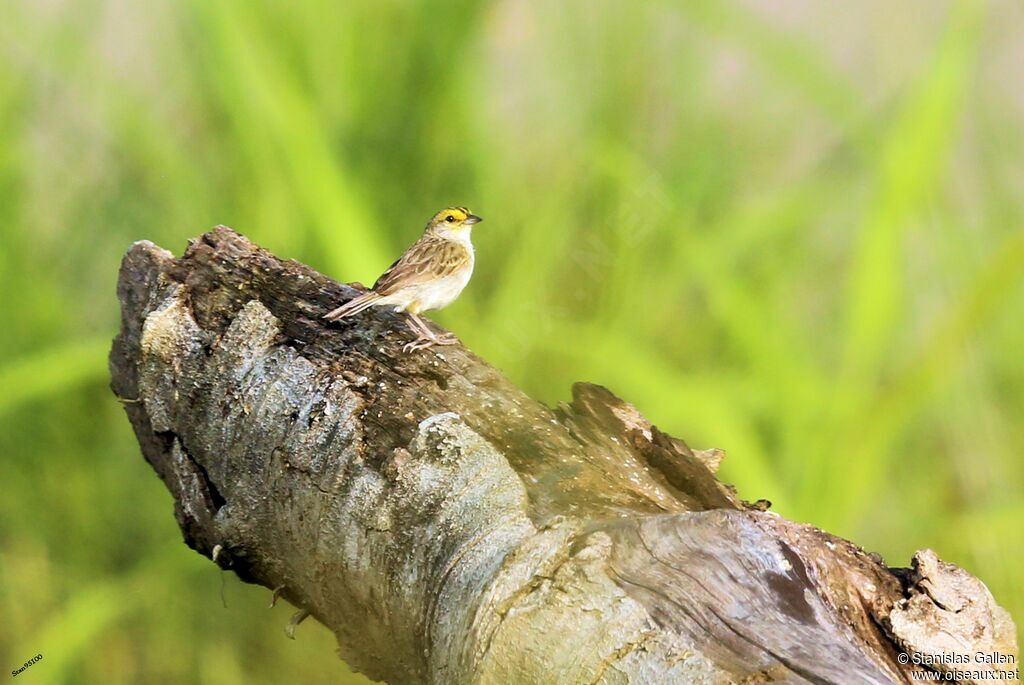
(449, 529)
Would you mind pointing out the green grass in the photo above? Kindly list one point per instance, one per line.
(794, 237)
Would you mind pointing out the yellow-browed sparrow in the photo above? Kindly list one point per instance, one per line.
(430, 275)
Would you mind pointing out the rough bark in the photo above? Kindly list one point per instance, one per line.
(449, 529)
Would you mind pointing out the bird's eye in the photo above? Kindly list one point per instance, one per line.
(449, 218)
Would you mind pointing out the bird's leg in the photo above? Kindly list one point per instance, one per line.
(443, 339)
(426, 337)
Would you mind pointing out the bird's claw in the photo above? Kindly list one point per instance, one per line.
(424, 342)
(417, 344)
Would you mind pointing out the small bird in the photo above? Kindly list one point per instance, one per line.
(430, 275)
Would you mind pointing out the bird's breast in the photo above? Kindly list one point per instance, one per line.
(443, 291)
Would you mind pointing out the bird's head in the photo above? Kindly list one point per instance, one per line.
(453, 222)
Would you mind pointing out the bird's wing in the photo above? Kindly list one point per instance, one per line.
(427, 260)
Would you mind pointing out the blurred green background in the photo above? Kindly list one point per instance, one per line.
(789, 229)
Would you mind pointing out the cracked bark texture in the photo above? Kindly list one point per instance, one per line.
(449, 529)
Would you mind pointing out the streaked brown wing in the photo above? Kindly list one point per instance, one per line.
(428, 259)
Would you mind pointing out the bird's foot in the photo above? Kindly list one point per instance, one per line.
(417, 344)
(423, 342)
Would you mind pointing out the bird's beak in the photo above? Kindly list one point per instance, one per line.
(472, 219)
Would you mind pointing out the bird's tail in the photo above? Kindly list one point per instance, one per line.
(353, 306)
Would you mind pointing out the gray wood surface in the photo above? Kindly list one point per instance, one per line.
(449, 529)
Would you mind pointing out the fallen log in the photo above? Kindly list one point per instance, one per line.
(449, 529)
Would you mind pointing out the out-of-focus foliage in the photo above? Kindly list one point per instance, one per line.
(792, 230)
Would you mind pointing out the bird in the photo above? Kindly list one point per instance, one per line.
(429, 275)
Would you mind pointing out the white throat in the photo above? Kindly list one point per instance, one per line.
(461, 236)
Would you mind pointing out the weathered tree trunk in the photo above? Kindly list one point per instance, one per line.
(449, 529)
